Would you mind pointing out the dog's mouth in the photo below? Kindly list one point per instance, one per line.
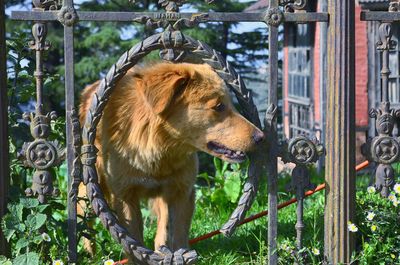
(225, 152)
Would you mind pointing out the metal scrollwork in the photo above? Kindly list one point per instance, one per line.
(67, 16)
(302, 152)
(41, 154)
(291, 6)
(39, 43)
(394, 6)
(384, 179)
(273, 17)
(172, 5)
(47, 4)
(77, 166)
(385, 41)
(384, 149)
(140, 254)
(172, 37)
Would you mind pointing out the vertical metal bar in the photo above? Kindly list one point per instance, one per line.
(39, 75)
(4, 164)
(299, 224)
(385, 71)
(272, 160)
(322, 79)
(69, 105)
(340, 134)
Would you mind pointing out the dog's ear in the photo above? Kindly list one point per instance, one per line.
(161, 89)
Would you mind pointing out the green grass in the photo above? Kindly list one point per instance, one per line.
(248, 244)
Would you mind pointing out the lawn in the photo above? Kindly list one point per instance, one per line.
(378, 239)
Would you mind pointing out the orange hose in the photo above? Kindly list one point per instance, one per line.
(261, 214)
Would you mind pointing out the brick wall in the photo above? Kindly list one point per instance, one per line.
(361, 62)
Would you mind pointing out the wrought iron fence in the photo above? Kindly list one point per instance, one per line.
(42, 154)
(384, 148)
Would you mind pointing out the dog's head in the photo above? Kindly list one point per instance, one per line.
(195, 109)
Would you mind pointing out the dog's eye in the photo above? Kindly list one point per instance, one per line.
(220, 107)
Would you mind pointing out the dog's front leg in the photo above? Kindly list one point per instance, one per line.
(174, 214)
(128, 211)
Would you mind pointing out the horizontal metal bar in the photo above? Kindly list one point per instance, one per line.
(379, 16)
(130, 16)
(306, 17)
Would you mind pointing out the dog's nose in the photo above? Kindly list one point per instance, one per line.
(258, 136)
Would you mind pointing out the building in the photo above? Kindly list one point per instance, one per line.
(304, 72)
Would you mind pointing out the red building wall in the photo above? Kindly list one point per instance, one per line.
(361, 62)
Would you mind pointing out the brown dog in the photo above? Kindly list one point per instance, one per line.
(154, 123)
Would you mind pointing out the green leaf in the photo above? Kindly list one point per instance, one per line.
(38, 239)
(42, 207)
(10, 225)
(5, 261)
(218, 166)
(35, 221)
(30, 258)
(219, 196)
(232, 186)
(62, 170)
(16, 210)
(29, 202)
(21, 243)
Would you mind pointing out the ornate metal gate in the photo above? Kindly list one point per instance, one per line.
(42, 154)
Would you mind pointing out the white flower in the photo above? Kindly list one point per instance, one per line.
(46, 237)
(396, 188)
(371, 189)
(352, 227)
(315, 251)
(58, 262)
(373, 228)
(396, 203)
(109, 262)
(392, 197)
(370, 216)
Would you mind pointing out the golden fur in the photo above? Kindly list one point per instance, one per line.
(154, 123)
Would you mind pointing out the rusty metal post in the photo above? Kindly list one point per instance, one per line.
(340, 133)
(4, 166)
(273, 19)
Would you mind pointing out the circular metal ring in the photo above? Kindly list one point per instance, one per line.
(302, 150)
(103, 92)
(385, 149)
(67, 16)
(41, 154)
(274, 17)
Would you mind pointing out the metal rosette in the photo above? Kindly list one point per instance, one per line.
(303, 151)
(385, 149)
(274, 17)
(130, 58)
(41, 154)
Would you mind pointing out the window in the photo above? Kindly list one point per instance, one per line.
(300, 122)
(300, 40)
(299, 61)
(394, 77)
